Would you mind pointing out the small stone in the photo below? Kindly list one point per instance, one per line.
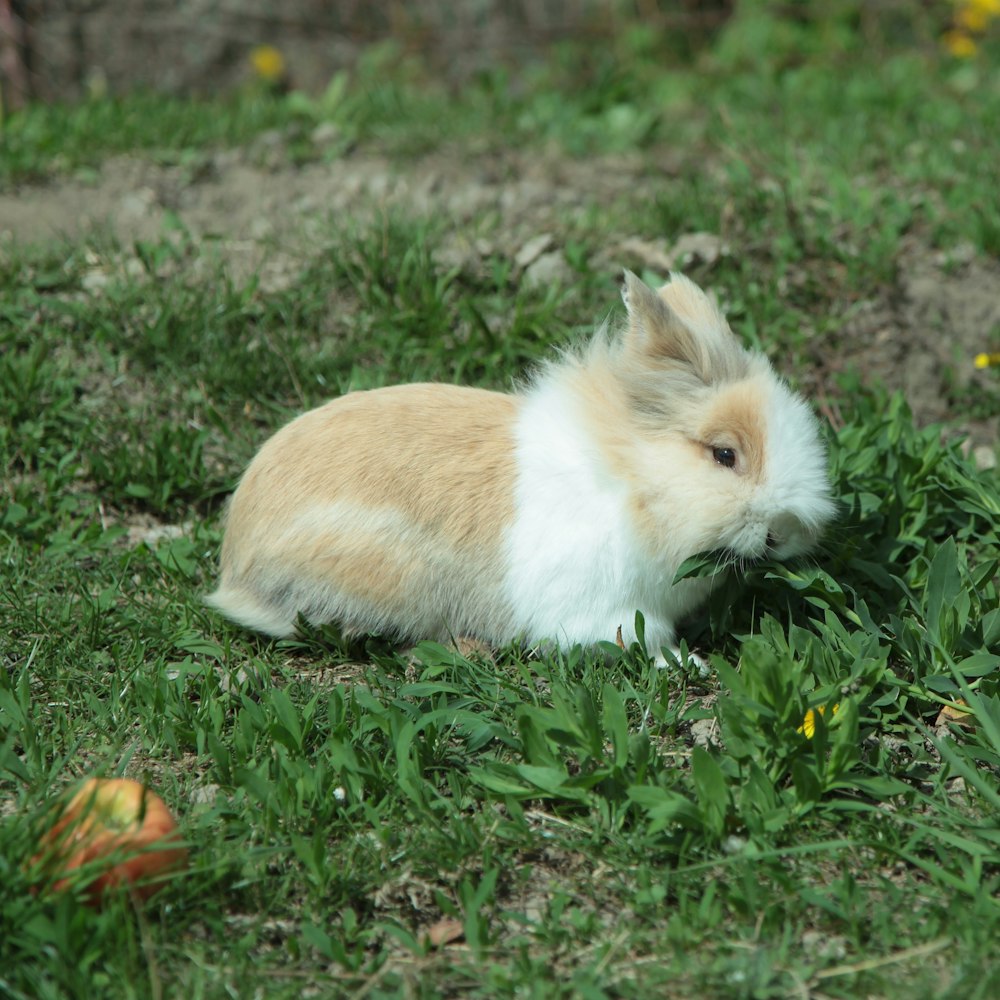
(95, 280)
(734, 844)
(705, 732)
(205, 795)
(136, 204)
(985, 457)
(325, 134)
(145, 534)
(824, 947)
(549, 269)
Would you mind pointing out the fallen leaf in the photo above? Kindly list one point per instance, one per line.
(533, 249)
(468, 647)
(948, 714)
(448, 930)
(689, 248)
(694, 247)
(652, 255)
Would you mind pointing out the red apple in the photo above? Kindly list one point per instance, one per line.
(118, 832)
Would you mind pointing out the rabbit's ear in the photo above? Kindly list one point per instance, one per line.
(680, 325)
(655, 330)
(698, 309)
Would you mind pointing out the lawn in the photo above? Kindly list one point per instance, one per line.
(367, 820)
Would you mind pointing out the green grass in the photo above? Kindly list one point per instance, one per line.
(594, 826)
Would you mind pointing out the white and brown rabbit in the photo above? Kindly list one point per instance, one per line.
(553, 513)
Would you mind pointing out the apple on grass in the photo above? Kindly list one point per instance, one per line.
(112, 832)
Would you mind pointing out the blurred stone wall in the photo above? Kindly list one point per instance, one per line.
(61, 49)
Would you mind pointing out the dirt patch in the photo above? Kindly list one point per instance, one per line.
(252, 194)
(260, 215)
(922, 336)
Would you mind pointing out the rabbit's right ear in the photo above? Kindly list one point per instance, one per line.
(655, 331)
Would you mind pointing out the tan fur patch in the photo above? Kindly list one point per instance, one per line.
(736, 420)
(362, 564)
(440, 457)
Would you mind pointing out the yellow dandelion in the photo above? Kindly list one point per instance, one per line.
(959, 44)
(268, 63)
(990, 8)
(985, 360)
(809, 722)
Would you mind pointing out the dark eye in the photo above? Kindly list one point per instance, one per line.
(724, 456)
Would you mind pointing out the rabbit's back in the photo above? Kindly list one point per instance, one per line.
(382, 510)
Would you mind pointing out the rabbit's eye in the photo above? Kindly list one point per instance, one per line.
(724, 456)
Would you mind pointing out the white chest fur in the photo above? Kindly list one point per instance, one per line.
(576, 570)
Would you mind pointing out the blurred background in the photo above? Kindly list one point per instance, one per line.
(67, 49)
(829, 164)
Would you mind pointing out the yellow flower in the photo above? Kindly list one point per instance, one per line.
(268, 63)
(972, 19)
(985, 360)
(959, 44)
(990, 8)
(809, 722)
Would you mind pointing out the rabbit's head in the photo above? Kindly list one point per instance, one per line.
(720, 454)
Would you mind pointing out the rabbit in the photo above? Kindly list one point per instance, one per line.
(547, 515)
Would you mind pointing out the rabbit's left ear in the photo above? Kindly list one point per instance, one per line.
(681, 325)
(656, 330)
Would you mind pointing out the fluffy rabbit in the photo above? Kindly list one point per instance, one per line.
(553, 513)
